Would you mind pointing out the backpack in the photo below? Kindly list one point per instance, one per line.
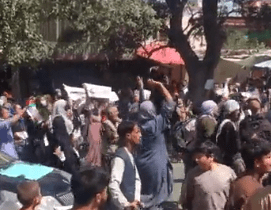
(183, 135)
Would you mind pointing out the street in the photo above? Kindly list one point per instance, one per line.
(178, 176)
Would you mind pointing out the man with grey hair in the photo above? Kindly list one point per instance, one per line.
(110, 135)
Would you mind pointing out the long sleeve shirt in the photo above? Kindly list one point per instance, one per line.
(6, 139)
(118, 166)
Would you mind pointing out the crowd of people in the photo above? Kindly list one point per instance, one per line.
(127, 147)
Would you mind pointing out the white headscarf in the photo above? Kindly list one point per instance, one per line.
(59, 110)
(231, 106)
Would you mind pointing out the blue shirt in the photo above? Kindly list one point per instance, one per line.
(6, 139)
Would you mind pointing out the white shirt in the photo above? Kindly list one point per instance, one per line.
(116, 179)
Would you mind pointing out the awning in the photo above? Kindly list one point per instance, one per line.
(157, 52)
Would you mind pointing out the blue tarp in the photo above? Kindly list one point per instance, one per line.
(28, 171)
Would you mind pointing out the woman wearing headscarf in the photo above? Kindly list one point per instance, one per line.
(152, 158)
(227, 137)
(62, 131)
(206, 123)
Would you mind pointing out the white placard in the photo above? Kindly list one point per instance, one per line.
(147, 94)
(75, 93)
(102, 92)
(113, 97)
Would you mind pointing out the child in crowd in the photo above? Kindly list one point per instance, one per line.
(207, 185)
(29, 195)
(125, 184)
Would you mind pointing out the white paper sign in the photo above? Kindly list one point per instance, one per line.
(102, 92)
(113, 97)
(147, 94)
(75, 93)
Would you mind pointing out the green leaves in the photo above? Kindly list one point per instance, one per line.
(116, 26)
(20, 38)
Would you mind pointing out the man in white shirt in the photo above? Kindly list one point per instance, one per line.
(125, 184)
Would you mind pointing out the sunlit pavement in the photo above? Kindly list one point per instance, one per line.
(178, 176)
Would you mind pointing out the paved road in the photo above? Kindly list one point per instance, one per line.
(178, 176)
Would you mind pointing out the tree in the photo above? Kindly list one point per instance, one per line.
(117, 27)
(199, 71)
(20, 39)
(240, 39)
(257, 20)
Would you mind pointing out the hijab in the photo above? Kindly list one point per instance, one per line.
(59, 110)
(147, 111)
(207, 107)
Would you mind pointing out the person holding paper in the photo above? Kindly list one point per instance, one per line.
(20, 134)
(6, 136)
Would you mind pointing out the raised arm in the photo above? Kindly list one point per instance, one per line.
(159, 86)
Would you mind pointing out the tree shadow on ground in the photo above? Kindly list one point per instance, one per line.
(170, 205)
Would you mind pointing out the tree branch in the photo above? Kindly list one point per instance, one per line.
(214, 34)
(188, 34)
(176, 33)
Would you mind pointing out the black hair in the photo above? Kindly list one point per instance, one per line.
(87, 184)
(209, 149)
(254, 150)
(124, 128)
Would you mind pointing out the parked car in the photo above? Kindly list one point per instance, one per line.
(55, 187)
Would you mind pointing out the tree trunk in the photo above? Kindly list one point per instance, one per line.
(199, 72)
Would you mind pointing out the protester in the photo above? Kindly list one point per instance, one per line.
(139, 97)
(227, 137)
(257, 158)
(184, 136)
(207, 186)
(7, 142)
(29, 195)
(20, 134)
(125, 184)
(255, 125)
(94, 155)
(62, 130)
(152, 159)
(89, 188)
(260, 200)
(206, 123)
(110, 135)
